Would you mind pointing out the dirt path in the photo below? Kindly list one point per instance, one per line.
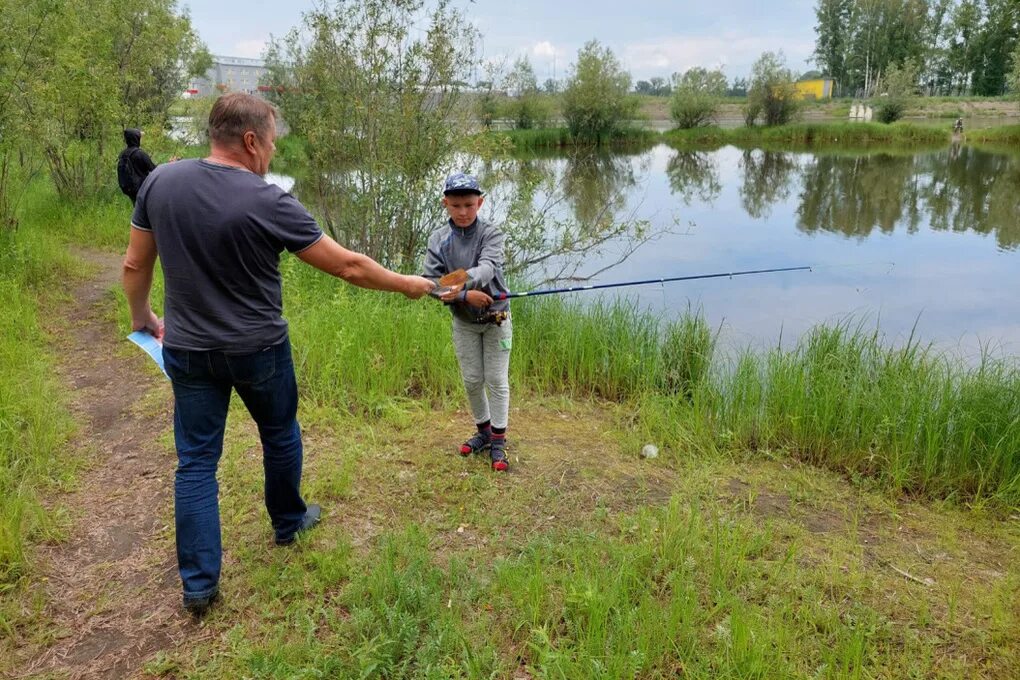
(111, 588)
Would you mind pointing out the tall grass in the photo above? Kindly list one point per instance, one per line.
(1005, 137)
(795, 136)
(32, 425)
(542, 138)
(813, 136)
(364, 351)
(919, 421)
(102, 221)
(33, 421)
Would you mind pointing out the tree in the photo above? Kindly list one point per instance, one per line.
(738, 88)
(660, 87)
(857, 39)
(558, 214)
(643, 87)
(772, 94)
(596, 101)
(102, 67)
(963, 45)
(1013, 77)
(380, 105)
(834, 30)
(24, 27)
(998, 39)
(551, 86)
(526, 107)
(489, 104)
(897, 87)
(696, 97)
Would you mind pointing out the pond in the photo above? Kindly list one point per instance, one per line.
(908, 243)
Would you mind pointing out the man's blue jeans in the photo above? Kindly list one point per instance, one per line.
(202, 383)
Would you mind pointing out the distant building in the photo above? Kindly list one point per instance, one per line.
(818, 88)
(229, 74)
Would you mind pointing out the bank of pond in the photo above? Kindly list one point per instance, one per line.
(916, 419)
(793, 137)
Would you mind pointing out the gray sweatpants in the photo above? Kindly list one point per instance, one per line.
(483, 351)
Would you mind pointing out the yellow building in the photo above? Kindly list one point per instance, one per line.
(819, 88)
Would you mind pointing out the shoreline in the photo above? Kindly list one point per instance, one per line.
(801, 136)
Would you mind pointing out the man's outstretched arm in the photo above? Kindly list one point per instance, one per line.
(139, 263)
(361, 270)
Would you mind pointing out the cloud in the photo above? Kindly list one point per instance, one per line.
(249, 49)
(679, 53)
(545, 49)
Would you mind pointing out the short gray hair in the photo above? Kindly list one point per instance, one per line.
(234, 114)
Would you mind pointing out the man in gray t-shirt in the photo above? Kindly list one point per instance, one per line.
(218, 229)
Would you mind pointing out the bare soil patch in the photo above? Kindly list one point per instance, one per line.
(111, 589)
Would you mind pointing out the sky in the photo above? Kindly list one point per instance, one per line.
(650, 37)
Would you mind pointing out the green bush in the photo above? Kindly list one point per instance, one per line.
(696, 96)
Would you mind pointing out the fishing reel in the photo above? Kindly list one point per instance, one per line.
(496, 318)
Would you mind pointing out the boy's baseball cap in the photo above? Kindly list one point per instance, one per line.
(461, 183)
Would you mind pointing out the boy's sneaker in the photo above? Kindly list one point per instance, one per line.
(497, 454)
(476, 444)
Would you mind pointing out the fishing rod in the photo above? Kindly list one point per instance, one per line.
(574, 289)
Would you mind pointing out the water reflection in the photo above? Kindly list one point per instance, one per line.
(694, 176)
(975, 191)
(858, 194)
(767, 180)
(558, 213)
(962, 189)
(595, 184)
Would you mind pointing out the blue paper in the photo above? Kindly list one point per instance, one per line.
(151, 346)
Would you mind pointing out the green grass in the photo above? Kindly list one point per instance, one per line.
(999, 138)
(34, 423)
(796, 136)
(544, 138)
(918, 421)
(441, 570)
(807, 136)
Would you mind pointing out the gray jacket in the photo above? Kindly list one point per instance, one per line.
(477, 249)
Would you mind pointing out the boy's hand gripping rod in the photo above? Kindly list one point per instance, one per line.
(574, 289)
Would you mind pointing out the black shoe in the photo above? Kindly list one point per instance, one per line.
(199, 606)
(312, 516)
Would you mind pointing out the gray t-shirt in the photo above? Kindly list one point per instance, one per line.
(219, 232)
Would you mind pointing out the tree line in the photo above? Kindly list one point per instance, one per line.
(957, 47)
(960, 47)
(73, 75)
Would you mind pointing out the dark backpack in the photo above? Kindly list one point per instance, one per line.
(127, 174)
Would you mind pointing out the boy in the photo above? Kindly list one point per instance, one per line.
(482, 333)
